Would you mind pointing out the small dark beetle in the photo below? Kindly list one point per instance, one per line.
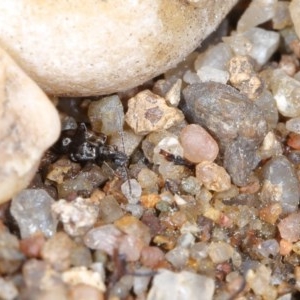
(83, 145)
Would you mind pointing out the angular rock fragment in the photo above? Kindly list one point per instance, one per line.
(212, 64)
(32, 211)
(286, 92)
(258, 12)
(236, 121)
(224, 111)
(77, 216)
(148, 112)
(106, 115)
(29, 125)
(240, 159)
(243, 76)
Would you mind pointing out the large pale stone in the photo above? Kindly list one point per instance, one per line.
(99, 47)
(29, 124)
(295, 12)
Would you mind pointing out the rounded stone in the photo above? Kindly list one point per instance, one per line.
(29, 125)
(198, 145)
(75, 48)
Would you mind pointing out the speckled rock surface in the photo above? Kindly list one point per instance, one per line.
(29, 125)
(84, 46)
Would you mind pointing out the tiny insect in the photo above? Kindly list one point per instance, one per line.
(176, 159)
(83, 145)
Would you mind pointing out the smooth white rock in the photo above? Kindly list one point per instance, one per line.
(29, 125)
(99, 47)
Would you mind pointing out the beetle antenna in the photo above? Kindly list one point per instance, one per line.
(121, 133)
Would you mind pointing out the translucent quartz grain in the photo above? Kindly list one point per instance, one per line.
(109, 210)
(133, 226)
(125, 140)
(258, 12)
(132, 190)
(140, 283)
(258, 43)
(280, 184)
(148, 180)
(103, 238)
(213, 177)
(198, 145)
(220, 252)
(131, 247)
(293, 125)
(212, 64)
(286, 92)
(169, 144)
(31, 209)
(216, 57)
(178, 257)
(107, 115)
(168, 285)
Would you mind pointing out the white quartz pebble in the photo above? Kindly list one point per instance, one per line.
(100, 47)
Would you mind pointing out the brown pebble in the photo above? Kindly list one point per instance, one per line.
(294, 141)
(285, 247)
(151, 256)
(32, 246)
(165, 242)
(150, 200)
(270, 213)
(289, 64)
(198, 145)
(57, 251)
